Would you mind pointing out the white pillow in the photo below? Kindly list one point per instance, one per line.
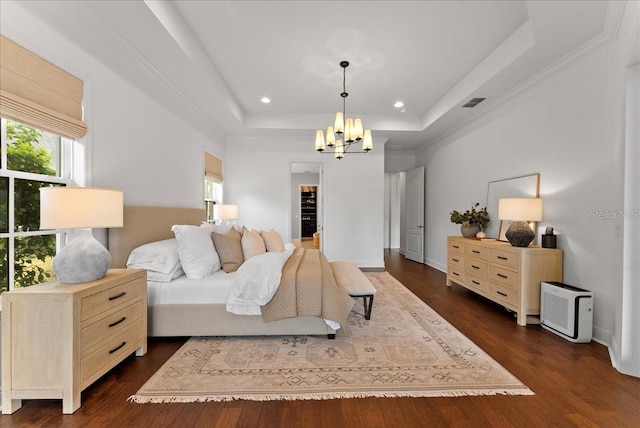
(197, 253)
(252, 244)
(158, 256)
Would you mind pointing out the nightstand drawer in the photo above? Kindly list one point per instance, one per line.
(477, 251)
(112, 351)
(504, 258)
(475, 267)
(95, 333)
(110, 298)
(504, 276)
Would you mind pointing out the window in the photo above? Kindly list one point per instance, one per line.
(30, 159)
(212, 183)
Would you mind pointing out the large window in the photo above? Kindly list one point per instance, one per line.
(30, 159)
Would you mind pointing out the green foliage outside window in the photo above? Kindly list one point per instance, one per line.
(33, 253)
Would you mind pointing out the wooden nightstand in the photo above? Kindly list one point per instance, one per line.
(57, 339)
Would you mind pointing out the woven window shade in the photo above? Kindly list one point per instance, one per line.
(37, 93)
(212, 168)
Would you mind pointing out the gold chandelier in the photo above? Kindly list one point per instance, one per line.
(345, 130)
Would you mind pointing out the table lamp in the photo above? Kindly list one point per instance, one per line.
(520, 211)
(79, 209)
(225, 212)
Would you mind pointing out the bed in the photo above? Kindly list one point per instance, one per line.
(184, 307)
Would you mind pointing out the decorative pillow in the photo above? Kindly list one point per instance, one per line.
(229, 249)
(159, 258)
(252, 243)
(197, 254)
(272, 241)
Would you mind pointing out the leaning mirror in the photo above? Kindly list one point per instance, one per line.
(524, 186)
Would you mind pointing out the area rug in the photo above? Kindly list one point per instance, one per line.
(405, 350)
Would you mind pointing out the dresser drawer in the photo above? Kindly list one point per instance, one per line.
(456, 260)
(455, 247)
(104, 328)
(477, 251)
(475, 267)
(112, 351)
(504, 276)
(456, 274)
(478, 283)
(110, 298)
(504, 294)
(504, 258)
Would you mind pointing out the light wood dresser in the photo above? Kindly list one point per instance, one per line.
(507, 275)
(57, 339)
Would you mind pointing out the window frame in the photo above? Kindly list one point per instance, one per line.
(65, 178)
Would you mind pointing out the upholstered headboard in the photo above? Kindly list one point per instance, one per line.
(143, 224)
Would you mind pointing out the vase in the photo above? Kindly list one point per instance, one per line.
(469, 231)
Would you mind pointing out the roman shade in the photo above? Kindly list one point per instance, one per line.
(212, 168)
(37, 93)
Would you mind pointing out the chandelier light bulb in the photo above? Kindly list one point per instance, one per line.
(319, 141)
(331, 138)
(339, 152)
(338, 126)
(367, 142)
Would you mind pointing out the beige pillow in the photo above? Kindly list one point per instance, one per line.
(229, 249)
(272, 241)
(252, 243)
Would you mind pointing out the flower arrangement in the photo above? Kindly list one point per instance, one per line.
(473, 217)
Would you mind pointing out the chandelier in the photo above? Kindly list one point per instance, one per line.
(345, 130)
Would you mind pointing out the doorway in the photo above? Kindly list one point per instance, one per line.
(306, 204)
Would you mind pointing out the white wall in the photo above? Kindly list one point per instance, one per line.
(568, 128)
(133, 144)
(257, 179)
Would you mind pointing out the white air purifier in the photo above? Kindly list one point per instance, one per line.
(566, 311)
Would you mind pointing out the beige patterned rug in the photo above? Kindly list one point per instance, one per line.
(405, 350)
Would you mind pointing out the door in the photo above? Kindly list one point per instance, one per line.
(415, 215)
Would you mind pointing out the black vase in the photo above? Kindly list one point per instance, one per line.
(520, 234)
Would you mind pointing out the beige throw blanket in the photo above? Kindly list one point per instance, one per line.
(308, 288)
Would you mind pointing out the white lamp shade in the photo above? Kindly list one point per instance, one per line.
(80, 207)
(319, 141)
(520, 209)
(225, 212)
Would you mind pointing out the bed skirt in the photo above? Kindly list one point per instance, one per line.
(214, 320)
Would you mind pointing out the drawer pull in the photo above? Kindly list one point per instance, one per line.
(475, 251)
(456, 247)
(475, 282)
(501, 293)
(456, 260)
(502, 276)
(456, 273)
(117, 296)
(117, 347)
(475, 267)
(113, 324)
(503, 258)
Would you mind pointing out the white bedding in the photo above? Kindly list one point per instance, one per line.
(212, 289)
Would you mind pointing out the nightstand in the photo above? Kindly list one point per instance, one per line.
(57, 339)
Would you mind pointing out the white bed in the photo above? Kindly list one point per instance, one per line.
(186, 307)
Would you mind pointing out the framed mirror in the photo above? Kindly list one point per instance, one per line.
(524, 186)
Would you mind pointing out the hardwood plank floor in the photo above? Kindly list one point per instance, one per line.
(575, 384)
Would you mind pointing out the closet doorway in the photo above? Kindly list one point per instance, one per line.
(306, 204)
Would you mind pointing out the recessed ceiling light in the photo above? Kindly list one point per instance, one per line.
(398, 104)
(265, 100)
(403, 110)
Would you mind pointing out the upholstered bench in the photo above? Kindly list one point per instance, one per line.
(354, 282)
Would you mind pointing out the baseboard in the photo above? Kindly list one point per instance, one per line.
(436, 265)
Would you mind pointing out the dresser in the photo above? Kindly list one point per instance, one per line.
(57, 339)
(507, 275)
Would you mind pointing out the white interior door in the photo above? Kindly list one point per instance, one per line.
(415, 215)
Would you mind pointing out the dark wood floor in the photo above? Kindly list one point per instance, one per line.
(575, 384)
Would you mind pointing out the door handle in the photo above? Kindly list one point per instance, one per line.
(419, 226)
